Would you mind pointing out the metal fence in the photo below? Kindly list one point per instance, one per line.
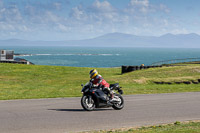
(174, 61)
(126, 69)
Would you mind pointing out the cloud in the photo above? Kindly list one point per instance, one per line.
(15, 21)
(98, 12)
(180, 31)
(78, 13)
(6, 27)
(10, 14)
(139, 3)
(102, 7)
(136, 6)
(46, 4)
(142, 7)
(57, 5)
(104, 10)
(164, 8)
(51, 17)
(62, 28)
(97, 18)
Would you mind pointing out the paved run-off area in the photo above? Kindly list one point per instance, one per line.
(62, 115)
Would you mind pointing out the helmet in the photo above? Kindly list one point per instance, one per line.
(93, 73)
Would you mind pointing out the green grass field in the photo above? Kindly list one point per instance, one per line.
(35, 81)
(177, 127)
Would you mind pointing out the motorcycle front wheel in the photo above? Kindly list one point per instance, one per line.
(120, 104)
(87, 103)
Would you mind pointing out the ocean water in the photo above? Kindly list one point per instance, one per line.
(100, 57)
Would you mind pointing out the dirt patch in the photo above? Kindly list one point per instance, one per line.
(179, 82)
(141, 81)
(197, 70)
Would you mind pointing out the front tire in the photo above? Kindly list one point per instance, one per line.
(86, 105)
(120, 105)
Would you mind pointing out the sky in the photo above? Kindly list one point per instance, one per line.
(54, 20)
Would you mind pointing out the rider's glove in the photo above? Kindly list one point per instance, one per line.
(94, 85)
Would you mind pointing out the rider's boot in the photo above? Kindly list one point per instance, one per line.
(111, 97)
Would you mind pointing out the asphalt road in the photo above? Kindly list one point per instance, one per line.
(63, 115)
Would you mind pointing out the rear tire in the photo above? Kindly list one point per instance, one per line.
(87, 106)
(119, 106)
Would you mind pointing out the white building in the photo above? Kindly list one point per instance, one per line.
(6, 55)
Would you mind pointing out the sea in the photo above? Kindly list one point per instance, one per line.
(99, 56)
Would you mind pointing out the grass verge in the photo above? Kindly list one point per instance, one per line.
(35, 81)
(177, 127)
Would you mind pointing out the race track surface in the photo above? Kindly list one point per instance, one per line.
(63, 115)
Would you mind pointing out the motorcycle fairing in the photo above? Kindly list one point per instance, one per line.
(100, 97)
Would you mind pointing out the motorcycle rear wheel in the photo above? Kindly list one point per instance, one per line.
(119, 106)
(86, 105)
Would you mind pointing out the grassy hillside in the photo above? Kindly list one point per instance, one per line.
(34, 81)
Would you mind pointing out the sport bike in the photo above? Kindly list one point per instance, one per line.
(95, 97)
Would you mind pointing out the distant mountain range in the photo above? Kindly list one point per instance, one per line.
(119, 40)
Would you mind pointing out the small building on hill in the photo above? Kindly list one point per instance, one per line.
(6, 55)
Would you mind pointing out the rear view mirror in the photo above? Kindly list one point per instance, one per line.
(82, 85)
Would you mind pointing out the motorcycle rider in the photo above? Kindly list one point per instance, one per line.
(98, 80)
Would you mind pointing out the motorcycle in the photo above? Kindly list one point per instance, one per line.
(95, 97)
